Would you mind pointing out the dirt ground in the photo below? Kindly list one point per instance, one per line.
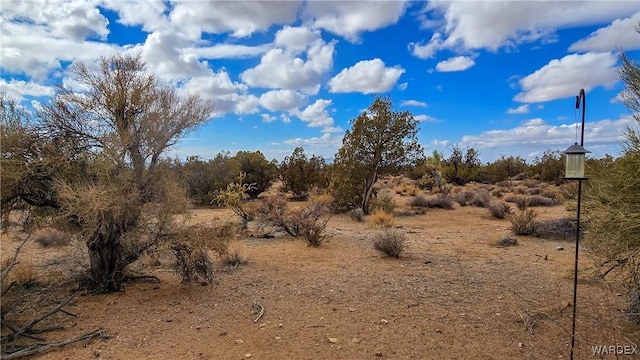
(453, 295)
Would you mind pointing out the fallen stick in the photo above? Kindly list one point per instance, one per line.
(260, 309)
(42, 348)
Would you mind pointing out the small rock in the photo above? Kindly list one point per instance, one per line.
(280, 325)
(351, 309)
(239, 342)
(520, 344)
(333, 340)
(263, 325)
(559, 248)
(248, 355)
(278, 338)
(384, 321)
(379, 354)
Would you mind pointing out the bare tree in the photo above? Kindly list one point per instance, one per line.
(121, 120)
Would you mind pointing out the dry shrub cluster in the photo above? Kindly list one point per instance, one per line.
(524, 222)
(234, 257)
(357, 214)
(440, 201)
(191, 250)
(307, 221)
(506, 241)
(381, 219)
(51, 237)
(390, 242)
(419, 201)
(384, 202)
(499, 209)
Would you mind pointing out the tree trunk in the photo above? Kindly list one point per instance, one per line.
(368, 191)
(105, 255)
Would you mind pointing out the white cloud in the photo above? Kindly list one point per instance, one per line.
(332, 129)
(367, 76)
(148, 14)
(428, 50)
(496, 24)
(560, 78)
(403, 86)
(279, 68)
(350, 18)
(425, 118)
(240, 18)
(326, 140)
(163, 52)
(522, 109)
(316, 114)
(38, 49)
(620, 34)
(281, 100)
(18, 89)
(296, 38)
(534, 122)
(228, 51)
(537, 133)
(457, 63)
(413, 103)
(227, 96)
(268, 118)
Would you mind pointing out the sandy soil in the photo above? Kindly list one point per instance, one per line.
(453, 295)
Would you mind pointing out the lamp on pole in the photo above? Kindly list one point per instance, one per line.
(574, 170)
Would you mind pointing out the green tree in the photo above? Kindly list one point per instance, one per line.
(380, 140)
(612, 201)
(461, 166)
(259, 172)
(504, 168)
(549, 167)
(301, 174)
(124, 121)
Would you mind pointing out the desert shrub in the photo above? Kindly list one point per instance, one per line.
(300, 174)
(390, 242)
(307, 221)
(191, 250)
(524, 222)
(557, 229)
(51, 237)
(520, 201)
(506, 241)
(553, 195)
(463, 197)
(258, 171)
(357, 214)
(384, 203)
(408, 190)
(537, 200)
(381, 219)
(426, 182)
(533, 191)
(192, 264)
(531, 183)
(497, 193)
(419, 201)
(233, 257)
(440, 201)
(481, 198)
(499, 209)
(235, 196)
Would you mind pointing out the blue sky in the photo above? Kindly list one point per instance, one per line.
(500, 76)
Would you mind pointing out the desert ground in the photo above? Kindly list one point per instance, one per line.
(453, 294)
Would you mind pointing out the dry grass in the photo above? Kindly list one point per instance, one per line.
(441, 201)
(234, 257)
(499, 209)
(524, 222)
(506, 241)
(390, 242)
(381, 219)
(51, 237)
(419, 201)
(357, 214)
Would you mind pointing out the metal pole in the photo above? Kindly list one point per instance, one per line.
(581, 96)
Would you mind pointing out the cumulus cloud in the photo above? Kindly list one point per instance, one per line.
(226, 95)
(350, 18)
(428, 50)
(522, 109)
(281, 100)
(497, 24)
(18, 89)
(316, 114)
(536, 132)
(228, 51)
(148, 14)
(620, 34)
(296, 38)
(413, 103)
(367, 76)
(240, 18)
(326, 140)
(561, 77)
(425, 118)
(457, 63)
(281, 69)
